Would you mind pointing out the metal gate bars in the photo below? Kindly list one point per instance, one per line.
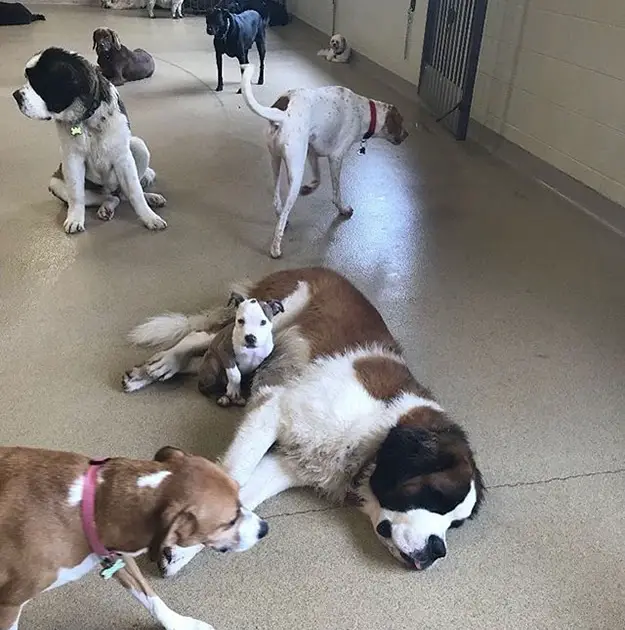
(451, 49)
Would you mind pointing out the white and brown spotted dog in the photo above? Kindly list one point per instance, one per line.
(337, 409)
(310, 123)
(61, 514)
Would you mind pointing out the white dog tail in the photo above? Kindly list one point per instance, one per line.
(166, 330)
(269, 113)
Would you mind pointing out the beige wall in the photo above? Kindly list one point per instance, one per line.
(552, 79)
(374, 28)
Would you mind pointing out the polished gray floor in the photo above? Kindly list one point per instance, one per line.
(510, 304)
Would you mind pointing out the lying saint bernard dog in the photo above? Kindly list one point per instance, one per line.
(334, 408)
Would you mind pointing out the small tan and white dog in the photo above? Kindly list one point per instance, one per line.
(339, 51)
(313, 123)
(62, 515)
(174, 5)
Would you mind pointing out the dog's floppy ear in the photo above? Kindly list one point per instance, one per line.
(176, 525)
(95, 37)
(235, 299)
(168, 454)
(276, 306)
(115, 39)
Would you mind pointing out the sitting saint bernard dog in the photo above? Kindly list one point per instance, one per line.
(100, 159)
(334, 408)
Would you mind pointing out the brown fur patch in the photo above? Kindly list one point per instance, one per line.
(385, 378)
(338, 316)
(282, 103)
(394, 122)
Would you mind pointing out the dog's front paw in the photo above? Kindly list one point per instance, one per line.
(135, 379)
(162, 366)
(194, 624)
(154, 200)
(72, 225)
(275, 251)
(154, 222)
(219, 88)
(224, 401)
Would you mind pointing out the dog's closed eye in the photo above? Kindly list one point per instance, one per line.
(241, 321)
(263, 322)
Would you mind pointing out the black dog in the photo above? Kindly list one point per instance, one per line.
(233, 35)
(15, 13)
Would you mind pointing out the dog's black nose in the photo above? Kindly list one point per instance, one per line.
(262, 531)
(436, 548)
(17, 95)
(250, 340)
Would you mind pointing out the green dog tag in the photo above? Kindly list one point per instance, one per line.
(111, 568)
(76, 130)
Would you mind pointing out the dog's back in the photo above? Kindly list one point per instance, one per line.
(15, 14)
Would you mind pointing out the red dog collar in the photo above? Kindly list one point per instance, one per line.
(88, 509)
(373, 121)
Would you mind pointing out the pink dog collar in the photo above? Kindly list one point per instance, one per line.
(88, 510)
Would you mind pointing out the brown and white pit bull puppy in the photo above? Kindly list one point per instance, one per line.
(239, 348)
(119, 506)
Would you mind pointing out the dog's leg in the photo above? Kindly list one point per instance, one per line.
(336, 164)
(294, 162)
(233, 389)
(164, 365)
(276, 165)
(273, 475)
(313, 160)
(141, 156)
(220, 72)
(262, 49)
(107, 208)
(74, 173)
(131, 578)
(256, 435)
(127, 176)
(9, 617)
(150, 7)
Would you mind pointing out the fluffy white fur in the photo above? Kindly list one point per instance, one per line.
(339, 51)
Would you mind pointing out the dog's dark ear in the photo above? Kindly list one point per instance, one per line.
(115, 39)
(176, 525)
(95, 38)
(168, 454)
(235, 299)
(276, 306)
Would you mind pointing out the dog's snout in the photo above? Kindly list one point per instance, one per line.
(19, 98)
(263, 529)
(250, 340)
(436, 548)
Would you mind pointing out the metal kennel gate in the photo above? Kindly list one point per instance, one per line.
(451, 49)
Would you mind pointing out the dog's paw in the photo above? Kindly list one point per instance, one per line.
(346, 212)
(239, 401)
(275, 251)
(148, 178)
(154, 222)
(308, 189)
(154, 200)
(176, 559)
(239, 91)
(163, 365)
(194, 624)
(73, 225)
(224, 401)
(134, 380)
(107, 211)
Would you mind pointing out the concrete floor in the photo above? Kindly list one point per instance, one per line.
(510, 303)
